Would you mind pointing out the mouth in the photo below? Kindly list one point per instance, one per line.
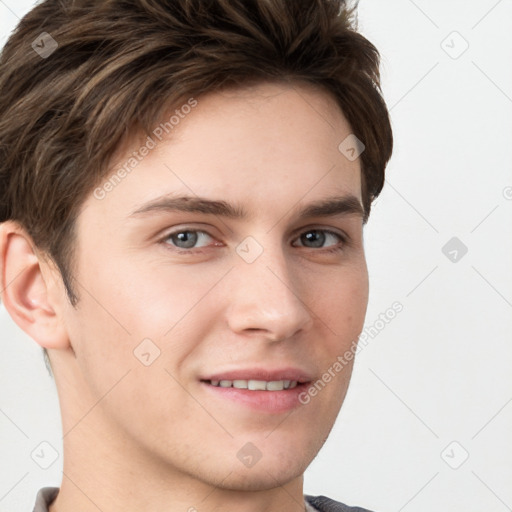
(254, 385)
(261, 391)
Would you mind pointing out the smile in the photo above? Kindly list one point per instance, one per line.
(255, 385)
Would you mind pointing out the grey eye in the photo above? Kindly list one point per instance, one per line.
(187, 238)
(316, 238)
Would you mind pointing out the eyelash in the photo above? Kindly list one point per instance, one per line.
(337, 248)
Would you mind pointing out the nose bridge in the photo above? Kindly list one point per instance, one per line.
(267, 295)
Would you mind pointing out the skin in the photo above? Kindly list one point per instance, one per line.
(145, 438)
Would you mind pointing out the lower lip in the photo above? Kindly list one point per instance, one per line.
(263, 401)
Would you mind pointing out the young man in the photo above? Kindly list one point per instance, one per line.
(184, 187)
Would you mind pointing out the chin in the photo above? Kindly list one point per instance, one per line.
(262, 478)
(279, 464)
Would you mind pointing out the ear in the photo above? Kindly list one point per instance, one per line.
(26, 292)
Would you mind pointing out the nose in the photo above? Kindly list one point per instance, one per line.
(267, 298)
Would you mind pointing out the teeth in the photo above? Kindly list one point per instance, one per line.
(256, 385)
(275, 385)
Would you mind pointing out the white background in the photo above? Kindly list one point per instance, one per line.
(439, 372)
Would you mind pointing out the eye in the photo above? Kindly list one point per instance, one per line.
(316, 238)
(187, 239)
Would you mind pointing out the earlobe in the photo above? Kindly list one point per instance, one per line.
(24, 290)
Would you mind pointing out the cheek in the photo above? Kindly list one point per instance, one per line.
(134, 300)
(165, 298)
(149, 295)
(344, 300)
(341, 311)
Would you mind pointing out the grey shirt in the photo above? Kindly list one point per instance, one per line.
(46, 495)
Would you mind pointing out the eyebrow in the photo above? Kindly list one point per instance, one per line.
(329, 207)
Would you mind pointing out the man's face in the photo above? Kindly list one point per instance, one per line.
(272, 296)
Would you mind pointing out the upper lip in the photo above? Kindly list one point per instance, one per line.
(266, 374)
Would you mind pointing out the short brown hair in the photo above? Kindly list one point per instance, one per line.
(119, 65)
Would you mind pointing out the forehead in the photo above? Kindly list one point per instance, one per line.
(266, 142)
